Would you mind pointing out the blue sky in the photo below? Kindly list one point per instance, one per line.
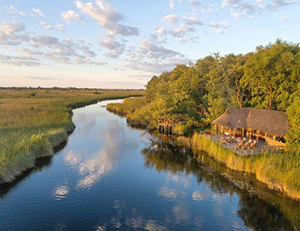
(122, 44)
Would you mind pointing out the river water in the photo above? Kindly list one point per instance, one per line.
(110, 176)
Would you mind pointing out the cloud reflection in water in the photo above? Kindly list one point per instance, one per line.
(92, 166)
(61, 192)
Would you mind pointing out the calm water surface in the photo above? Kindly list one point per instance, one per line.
(110, 176)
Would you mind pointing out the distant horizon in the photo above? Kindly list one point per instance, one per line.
(121, 45)
(75, 88)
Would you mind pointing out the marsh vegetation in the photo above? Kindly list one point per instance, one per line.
(33, 121)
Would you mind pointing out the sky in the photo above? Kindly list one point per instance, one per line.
(123, 44)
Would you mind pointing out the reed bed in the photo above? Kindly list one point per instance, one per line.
(280, 171)
(128, 106)
(33, 121)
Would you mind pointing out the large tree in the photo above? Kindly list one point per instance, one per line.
(268, 75)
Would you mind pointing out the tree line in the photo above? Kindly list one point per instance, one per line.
(198, 93)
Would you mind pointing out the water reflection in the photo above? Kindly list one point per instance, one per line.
(96, 167)
(170, 194)
(101, 181)
(129, 220)
(92, 165)
(256, 213)
(200, 195)
(61, 192)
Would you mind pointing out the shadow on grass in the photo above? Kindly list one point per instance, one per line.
(40, 164)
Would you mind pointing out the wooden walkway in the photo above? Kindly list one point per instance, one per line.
(165, 127)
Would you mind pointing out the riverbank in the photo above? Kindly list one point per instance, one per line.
(279, 171)
(34, 122)
(268, 168)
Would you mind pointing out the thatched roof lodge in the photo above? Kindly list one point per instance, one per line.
(258, 123)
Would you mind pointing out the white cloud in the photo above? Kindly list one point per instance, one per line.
(219, 27)
(9, 33)
(277, 4)
(170, 18)
(42, 47)
(107, 17)
(226, 3)
(44, 40)
(209, 10)
(160, 30)
(171, 4)
(240, 7)
(192, 21)
(195, 2)
(70, 15)
(46, 25)
(282, 18)
(154, 38)
(237, 15)
(61, 27)
(152, 50)
(181, 30)
(186, 39)
(111, 44)
(131, 54)
(18, 60)
(37, 12)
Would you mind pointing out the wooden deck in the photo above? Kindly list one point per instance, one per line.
(261, 146)
(165, 127)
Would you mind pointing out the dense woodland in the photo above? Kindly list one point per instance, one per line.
(268, 78)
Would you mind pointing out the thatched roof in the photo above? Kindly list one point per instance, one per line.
(270, 121)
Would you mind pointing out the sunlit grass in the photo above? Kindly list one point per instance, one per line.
(128, 106)
(280, 171)
(32, 121)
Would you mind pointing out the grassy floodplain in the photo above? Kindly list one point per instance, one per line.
(33, 121)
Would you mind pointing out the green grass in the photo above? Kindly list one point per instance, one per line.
(34, 120)
(128, 106)
(280, 171)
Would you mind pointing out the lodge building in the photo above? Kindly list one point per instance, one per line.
(261, 124)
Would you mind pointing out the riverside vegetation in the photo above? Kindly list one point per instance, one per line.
(197, 94)
(34, 121)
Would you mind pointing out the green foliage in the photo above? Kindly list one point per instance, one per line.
(271, 75)
(198, 94)
(293, 112)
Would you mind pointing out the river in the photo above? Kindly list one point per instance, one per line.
(110, 176)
